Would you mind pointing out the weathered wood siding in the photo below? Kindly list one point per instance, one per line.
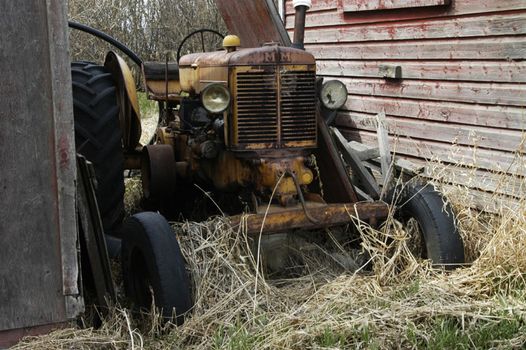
(463, 78)
(39, 275)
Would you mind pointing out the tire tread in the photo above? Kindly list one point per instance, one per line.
(98, 137)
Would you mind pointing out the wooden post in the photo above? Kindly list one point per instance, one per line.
(39, 274)
(385, 152)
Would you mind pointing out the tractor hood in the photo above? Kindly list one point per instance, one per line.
(200, 69)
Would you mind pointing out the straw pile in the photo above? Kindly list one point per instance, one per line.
(400, 303)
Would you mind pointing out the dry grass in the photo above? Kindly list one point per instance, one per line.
(401, 303)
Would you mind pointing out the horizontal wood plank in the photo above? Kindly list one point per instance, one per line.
(501, 183)
(490, 116)
(473, 178)
(498, 139)
(463, 27)
(513, 48)
(458, 70)
(376, 5)
(446, 152)
(483, 201)
(332, 16)
(480, 93)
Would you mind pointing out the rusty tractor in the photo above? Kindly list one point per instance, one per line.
(245, 126)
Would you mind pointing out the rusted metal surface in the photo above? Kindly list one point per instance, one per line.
(286, 220)
(254, 21)
(271, 172)
(269, 54)
(200, 69)
(274, 107)
(273, 91)
(270, 131)
(299, 27)
(39, 274)
(272, 123)
(334, 178)
(336, 185)
(129, 113)
(158, 91)
(162, 81)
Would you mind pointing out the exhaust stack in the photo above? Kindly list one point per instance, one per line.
(301, 7)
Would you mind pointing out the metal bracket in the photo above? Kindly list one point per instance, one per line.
(390, 71)
(367, 180)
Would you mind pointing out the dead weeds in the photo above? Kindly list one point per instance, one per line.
(401, 302)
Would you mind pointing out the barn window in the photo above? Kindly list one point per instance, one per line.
(375, 5)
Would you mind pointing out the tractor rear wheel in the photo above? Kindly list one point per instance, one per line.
(98, 137)
(441, 242)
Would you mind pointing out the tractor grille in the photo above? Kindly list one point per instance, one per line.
(275, 109)
(257, 115)
(298, 106)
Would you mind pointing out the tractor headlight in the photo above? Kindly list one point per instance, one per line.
(215, 98)
(333, 94)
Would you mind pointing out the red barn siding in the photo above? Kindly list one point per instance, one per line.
(464, 74)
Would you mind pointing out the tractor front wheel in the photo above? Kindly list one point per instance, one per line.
(422, 204)
(153, 266)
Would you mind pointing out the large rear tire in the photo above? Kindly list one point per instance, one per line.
(98, 137)
(443, 244)
(152, 262)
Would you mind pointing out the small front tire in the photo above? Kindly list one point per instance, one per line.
(152, 263)
(443, 244)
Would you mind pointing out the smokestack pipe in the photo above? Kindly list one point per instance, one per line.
(301, 7)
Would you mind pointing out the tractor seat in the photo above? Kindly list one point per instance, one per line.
(157, 70)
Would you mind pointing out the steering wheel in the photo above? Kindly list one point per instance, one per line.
(197, 32)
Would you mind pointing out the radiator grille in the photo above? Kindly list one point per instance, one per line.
(298, 106)
(257, 117)
(267, 118)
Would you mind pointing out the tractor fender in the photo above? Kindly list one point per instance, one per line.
(129, 113)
